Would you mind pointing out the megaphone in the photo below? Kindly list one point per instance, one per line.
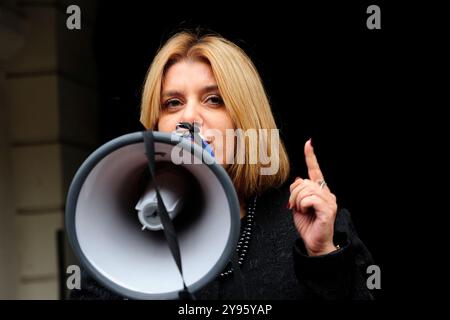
(113, 217)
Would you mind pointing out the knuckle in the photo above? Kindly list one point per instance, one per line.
(292, 187)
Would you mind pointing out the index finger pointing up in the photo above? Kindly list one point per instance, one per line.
(314, 172)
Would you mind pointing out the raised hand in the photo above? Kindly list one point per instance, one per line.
(314, 207)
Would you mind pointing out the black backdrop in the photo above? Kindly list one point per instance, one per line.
(328, 77)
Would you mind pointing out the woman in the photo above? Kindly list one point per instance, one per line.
(294, 242)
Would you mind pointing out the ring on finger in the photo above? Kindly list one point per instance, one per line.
(322, 184)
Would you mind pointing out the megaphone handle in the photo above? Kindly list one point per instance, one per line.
(168, 228)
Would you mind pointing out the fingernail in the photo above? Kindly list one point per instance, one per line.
(287, 205)
(310, 142)
(297, 178)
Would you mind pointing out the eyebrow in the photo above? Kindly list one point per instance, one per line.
(177, 93)
(210, 88)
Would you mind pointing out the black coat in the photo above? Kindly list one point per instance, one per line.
(277, 267)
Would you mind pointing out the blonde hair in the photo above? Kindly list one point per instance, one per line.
(239, 85)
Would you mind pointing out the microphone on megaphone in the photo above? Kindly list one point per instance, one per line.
(192, 132)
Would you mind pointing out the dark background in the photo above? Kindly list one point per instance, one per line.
(328, 77)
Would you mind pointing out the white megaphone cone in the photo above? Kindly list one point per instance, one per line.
(112, 198)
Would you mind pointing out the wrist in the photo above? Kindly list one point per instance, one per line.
(322, 251)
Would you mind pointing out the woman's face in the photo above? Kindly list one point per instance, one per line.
(190, 93)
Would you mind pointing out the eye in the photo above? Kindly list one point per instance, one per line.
(214, 99)
(172, 103)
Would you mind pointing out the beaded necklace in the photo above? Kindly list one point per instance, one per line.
(244, 240)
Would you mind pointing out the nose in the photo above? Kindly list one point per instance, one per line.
(191, 113)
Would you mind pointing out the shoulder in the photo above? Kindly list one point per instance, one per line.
(275, 198)
(272, 214)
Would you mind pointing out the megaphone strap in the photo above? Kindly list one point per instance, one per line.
(168, 228)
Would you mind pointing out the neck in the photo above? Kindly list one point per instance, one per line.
(243, 213)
